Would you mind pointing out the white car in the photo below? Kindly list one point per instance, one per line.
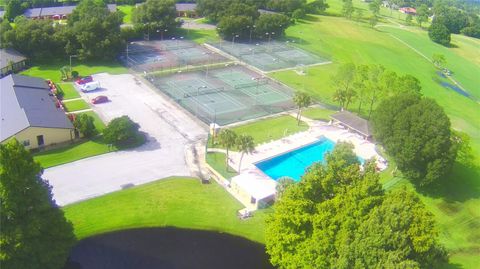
(90, 86)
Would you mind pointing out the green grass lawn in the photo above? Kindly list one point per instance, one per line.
(178, 202)
(51, 70)
(316, 113)
(72, 153)
(217, 161)
(99, 124)
(127, 9)
(271, 128)
(75, 105)
(69, 90)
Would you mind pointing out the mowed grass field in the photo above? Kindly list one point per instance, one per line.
(178, 202)
(456, 204)
(51, 70)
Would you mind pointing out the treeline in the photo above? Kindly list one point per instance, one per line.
(241, 18)
(339, 216)
(367, 85)
(92, 32)
(452, 20)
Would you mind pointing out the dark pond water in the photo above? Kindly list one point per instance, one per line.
(168, 248)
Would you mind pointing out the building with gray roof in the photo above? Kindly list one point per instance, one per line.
(60, 12)
(353, 122)
(11, 61)
(28, 112)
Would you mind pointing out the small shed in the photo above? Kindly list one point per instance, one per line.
(11, 61)
(254, 189)
(352, 122)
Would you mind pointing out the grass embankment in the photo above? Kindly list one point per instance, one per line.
(72, 153)
(51, 70)
(75, 105)
(270, 129)
(178, 202)
(456, 204)
(316, 113)
(217, 161)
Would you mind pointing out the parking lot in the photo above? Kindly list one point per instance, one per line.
(169, 132)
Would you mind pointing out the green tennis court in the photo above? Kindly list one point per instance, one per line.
(270, 56)
(225, 95)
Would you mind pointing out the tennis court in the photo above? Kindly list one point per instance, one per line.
(148, 56)
(225, 95)
(270, 56)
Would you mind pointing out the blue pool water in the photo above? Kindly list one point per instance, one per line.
(294, 163)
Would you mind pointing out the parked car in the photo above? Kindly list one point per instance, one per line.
(84, 80)
(90, 86)
(100, 99)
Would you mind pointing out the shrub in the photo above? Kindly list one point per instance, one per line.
(122, 132)
(75, 74)
(84, 123)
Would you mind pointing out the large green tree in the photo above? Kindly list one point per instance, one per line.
(34, 38)
(14, 9)
(343, 82)
(155, 16)
(415, 131)
(235, 27)
(287, 6)
(94, 32)
(271, 23)
(122, 131)
(439, 33)
(338, 216)
(34, 231)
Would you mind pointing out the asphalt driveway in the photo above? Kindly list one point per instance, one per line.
(169, 131)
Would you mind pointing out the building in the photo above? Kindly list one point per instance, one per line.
(408, 10)
(29, 113)
(11, 61)
(353, 123)
(56, 13)
(186, 9)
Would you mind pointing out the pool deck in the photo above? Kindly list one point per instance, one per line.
(318, 129)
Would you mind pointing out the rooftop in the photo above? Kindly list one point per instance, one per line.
(353, 122)
(26, 102)
(60, 10)
(7, 55)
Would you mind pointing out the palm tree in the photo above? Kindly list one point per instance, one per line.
(228, 139)
(245, 145)
(340, 96)
(301, 100)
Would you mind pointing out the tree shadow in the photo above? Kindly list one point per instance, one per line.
(460, 185)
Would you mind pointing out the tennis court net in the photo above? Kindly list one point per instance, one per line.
(204, 92)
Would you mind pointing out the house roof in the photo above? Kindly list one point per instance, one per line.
(7, 55)
(185, 7)
(60, 10)
(353, 121)
(25, 102)
(255, 184)
(265, 11)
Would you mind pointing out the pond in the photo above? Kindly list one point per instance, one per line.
(167, 248)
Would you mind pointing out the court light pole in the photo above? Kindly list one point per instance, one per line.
(198, 93)
(233, 39)
(74, 56)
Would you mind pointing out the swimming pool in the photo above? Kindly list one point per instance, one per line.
(294, 163)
